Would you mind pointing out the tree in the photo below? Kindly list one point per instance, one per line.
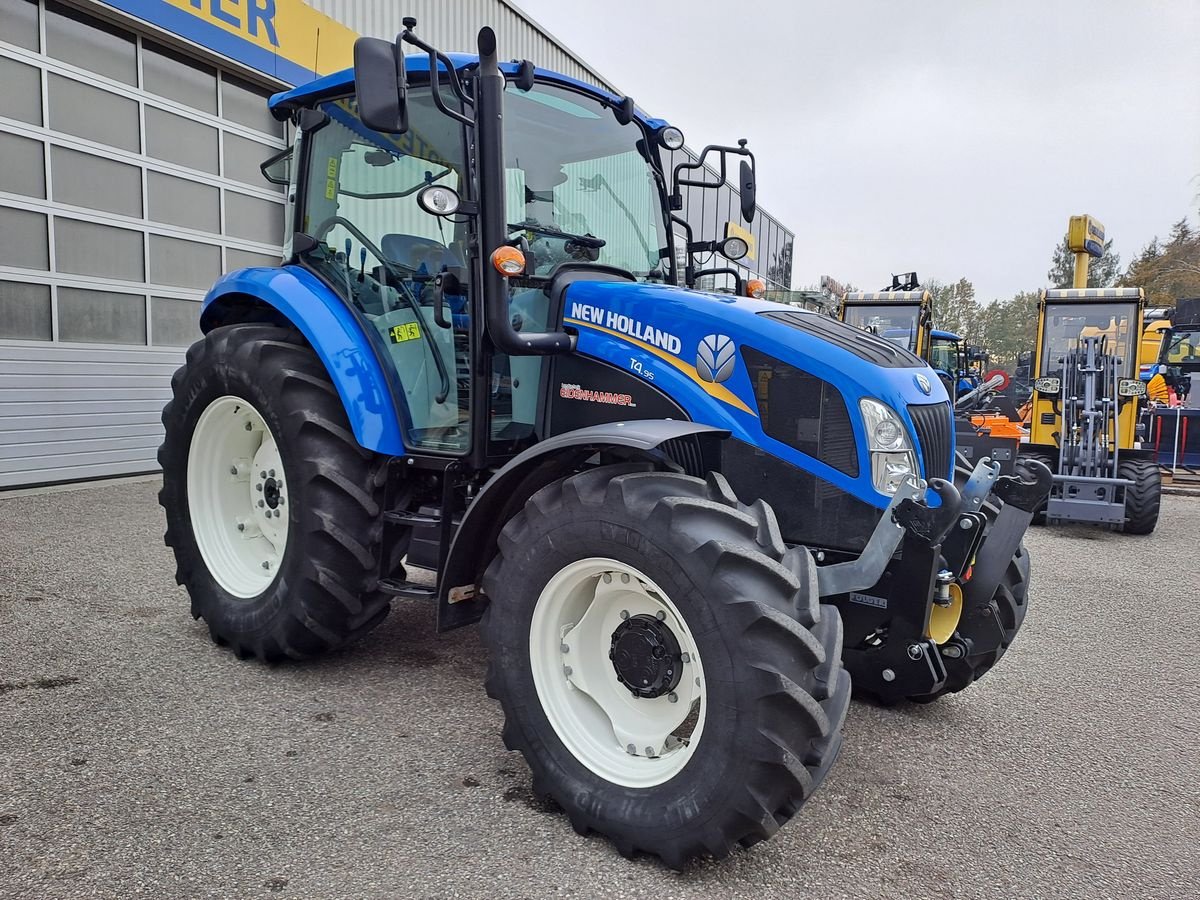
(1102, 272)
(956, 309)
(779, 269)
(1168, 271)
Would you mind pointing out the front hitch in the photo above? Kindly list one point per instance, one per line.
(887, 599)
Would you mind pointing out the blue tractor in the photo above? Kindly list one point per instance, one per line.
(685, 518)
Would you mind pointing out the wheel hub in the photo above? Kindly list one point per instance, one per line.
(646, 656)
(271, 493)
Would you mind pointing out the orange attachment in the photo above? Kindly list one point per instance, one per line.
(508, 261)
(1000, 426)
(756, 288)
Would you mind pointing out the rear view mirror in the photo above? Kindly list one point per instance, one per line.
(381, 86)
(278, 168)
(747, 187)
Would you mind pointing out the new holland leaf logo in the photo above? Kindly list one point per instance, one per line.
(715, 358)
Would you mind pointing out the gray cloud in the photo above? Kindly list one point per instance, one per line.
(947, 137)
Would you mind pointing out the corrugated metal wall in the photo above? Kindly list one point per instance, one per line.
(70, 412)
(452, 25)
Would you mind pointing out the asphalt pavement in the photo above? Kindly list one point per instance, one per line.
(137, 758)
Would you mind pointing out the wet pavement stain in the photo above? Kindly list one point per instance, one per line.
(41, 683)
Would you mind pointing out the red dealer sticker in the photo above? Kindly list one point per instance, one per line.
(575, 392)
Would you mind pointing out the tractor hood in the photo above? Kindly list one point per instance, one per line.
(691, 345)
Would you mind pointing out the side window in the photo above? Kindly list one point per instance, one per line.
(382, 253)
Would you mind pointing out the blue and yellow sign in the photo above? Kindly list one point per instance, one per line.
(286, 39)
(1085, 235)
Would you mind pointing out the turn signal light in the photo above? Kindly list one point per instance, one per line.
(508, 261)
(756, 288)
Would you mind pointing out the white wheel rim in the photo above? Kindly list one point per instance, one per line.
(237, 497)
(596, 717)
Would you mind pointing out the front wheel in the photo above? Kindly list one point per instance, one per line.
(1144, 497)
(663, 661)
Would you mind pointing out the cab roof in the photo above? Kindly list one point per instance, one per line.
(342, 82)
(944, 335)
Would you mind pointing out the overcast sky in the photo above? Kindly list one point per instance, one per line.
(953, 138)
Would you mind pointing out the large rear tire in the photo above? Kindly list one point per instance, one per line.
(272, 506)
(1144, 498)
(619, 558)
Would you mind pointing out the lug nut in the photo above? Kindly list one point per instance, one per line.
(624, 614)
(650, 751)
(567, 671)
(564, 648)
(258, 487)
(607, 577)
(266, 565)
(272, 473)
(660, 615)
(685, 656)
(673, 697)
(262, 474)
(888, 675)
(241, 526)
(249, 427)
(632, 750)
(261, 503)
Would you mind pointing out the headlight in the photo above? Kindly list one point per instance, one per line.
(1131, 387)
(892, 457)
(1047, 385)
(671, 137)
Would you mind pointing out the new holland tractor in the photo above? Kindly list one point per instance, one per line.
(1084, 422)
(684, 518)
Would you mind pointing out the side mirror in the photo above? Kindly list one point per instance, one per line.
(747, 187)
(278, 168)
(381, 85)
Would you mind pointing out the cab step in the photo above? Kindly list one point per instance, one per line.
(412, 519)
(407, 590)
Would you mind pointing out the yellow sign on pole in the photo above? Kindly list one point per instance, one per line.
(1085, 238)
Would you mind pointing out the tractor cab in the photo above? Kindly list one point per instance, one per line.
(900, 316)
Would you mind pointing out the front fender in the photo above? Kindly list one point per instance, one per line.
(506, 492)
(333, 330)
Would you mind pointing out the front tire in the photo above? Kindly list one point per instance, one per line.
(984, 634)
(599, 573)
(1144, 497)
(273, 508)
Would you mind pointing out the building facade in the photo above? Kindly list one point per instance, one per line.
(132, 133)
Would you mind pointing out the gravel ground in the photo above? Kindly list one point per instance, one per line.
(138, 758)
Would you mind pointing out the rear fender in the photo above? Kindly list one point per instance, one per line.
(505, 494)
(292, 295)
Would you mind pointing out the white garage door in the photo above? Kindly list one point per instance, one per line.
(129, 183)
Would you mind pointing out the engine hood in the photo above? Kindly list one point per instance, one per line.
(689, 344)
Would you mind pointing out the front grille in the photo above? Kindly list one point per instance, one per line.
(935, 435)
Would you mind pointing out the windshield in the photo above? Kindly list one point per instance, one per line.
(1184, 347)
(1068, 324)
(577, 186)
(943, 355)
(892, 322)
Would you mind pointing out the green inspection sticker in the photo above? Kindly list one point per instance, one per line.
(398, 334)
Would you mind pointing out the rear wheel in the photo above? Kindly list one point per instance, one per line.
(1144, 497)
(272, 506)
(663, 662)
